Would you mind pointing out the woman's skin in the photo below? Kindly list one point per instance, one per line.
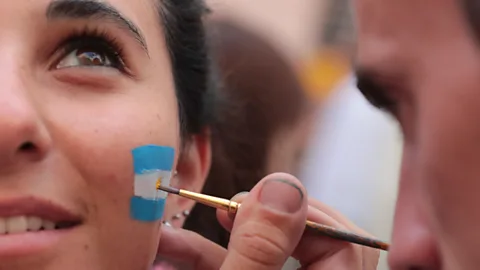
(81, 87)
(68, 126)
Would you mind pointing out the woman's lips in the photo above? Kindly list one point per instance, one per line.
(29, 225)
(30, 206)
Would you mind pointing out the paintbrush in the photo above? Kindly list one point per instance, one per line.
(232, 207)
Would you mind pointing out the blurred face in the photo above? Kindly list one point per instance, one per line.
(287, 145)
(80, 87)
(418, 61)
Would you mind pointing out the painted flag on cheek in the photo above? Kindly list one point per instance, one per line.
(151, 164)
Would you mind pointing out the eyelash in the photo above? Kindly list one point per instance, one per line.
(378, 98)
(99, 41)
(383, 102)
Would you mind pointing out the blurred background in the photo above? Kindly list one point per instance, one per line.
(352, 157)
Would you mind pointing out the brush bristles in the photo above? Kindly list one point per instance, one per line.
(159, 183)
(168, 189)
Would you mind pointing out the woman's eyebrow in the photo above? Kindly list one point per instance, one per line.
(96, 9)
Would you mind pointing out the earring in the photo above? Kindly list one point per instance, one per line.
(183, 214)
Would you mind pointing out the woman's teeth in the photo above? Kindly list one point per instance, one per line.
(21, 224)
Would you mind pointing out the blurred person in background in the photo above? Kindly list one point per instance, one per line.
(353, 160)
(261, 126)
(404, 47)
(355, 150)
(261, 121)
(421, 64)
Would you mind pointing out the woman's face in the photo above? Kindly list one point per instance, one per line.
(81, 86)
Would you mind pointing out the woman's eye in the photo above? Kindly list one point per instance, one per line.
(86, 57)
(91, 49)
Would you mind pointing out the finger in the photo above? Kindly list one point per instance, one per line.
(336, 216)
(225, 219)
(323, 244)
(316, 209)
(268, 225)
(324, 214)
(186, 246)
(314, 250)
(370, 256)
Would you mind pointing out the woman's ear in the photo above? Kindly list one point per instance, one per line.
(192, 170)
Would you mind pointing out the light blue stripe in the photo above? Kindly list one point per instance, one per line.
(152, 157)
(145, 209)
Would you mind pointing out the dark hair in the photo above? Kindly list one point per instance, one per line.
(185, 39)
(259, 95)
(472, 11)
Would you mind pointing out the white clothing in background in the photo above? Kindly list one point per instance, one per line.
(353, 161)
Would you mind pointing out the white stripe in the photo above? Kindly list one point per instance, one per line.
(166, 177)
(145, 185)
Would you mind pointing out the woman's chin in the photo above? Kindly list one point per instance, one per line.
(43, 249)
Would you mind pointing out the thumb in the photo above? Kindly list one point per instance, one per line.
(268, 225)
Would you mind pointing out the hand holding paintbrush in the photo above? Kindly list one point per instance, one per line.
(269, 228)
(232, 207)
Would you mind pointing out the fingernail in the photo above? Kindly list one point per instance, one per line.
(281, 195)
(238, 194)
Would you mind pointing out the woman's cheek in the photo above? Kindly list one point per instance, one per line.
(153, 166)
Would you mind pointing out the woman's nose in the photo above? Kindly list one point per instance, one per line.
(413, 245)
(23, 137)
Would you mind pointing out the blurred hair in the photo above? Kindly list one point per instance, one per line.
(472, 11)
(184, 31)
(259, 95)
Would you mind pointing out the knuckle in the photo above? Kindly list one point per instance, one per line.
(263, 246)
